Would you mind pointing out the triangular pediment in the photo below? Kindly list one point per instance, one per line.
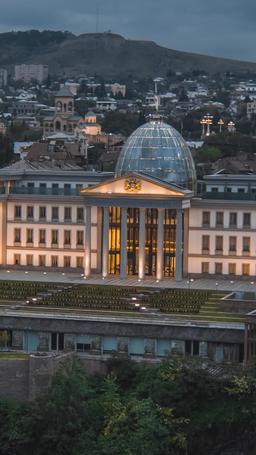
(135, 184)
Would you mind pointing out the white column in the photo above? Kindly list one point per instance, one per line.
(123, 246)
(87, 256)
(179, 233)
(142, 238)
(105, 242)
(160, 244)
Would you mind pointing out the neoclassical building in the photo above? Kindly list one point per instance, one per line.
(148, 219)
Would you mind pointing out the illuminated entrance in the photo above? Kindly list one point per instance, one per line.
(143, 223)
(150, 242)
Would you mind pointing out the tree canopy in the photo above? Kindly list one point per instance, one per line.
(174, 408)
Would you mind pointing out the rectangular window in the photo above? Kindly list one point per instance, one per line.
(80, 214)
(54, 260)
(233, 219)
(79, 262)
(55, 237)
(241, 190)
(30, 212)
(42, 236)
(55, 188)
(80, 237)
(67, 261)
(206, 219)
(29, 259)
(229, 190)
(67, 237)
(17, 212)
(17, 259)
(30, 235)
(41, 260)
(245, 269)
(205, 243)
(67, 188)
(42, 213)
(247, 220)
(43, 188)
(232, 244)
(246, 244)
(55, 213)
(219, 243)
(219, 219)
(67, 213)
(31, 185)
(218, 268)
(232, 268)
(205, 267)
(17, 235)
(215, 189)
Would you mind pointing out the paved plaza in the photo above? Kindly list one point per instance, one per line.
(76, 278)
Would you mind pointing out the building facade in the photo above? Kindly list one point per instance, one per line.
(3, 77)
(149, 222)
(28, 73)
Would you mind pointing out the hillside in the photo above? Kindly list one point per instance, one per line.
(105, 54)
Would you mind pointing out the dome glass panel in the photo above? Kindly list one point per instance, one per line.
(157, 149)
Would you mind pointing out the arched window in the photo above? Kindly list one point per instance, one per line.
(57, 125)
(70, 106)
(59, 106)
(64, 127)
(65, 107)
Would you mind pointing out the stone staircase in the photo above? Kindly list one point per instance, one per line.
(211, 310)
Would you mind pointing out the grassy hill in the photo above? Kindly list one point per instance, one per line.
(105, 54)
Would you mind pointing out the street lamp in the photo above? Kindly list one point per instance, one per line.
(203, 123)
(221, 123)
(231, 127)
(208, 124)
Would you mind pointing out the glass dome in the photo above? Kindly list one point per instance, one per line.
(159, 150)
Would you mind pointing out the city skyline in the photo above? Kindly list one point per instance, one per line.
(221, 29)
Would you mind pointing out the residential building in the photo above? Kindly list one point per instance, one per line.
(28, 73)
(3, 77)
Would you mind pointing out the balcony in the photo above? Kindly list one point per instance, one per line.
(226, 195)
(44, 191)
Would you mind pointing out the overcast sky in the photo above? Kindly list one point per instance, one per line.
(216, 27)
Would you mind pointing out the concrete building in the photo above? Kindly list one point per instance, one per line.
(251, 109)
(3, 77)
(28, 73)
(116, 89)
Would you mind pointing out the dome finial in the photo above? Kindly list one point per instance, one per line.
(155, 117)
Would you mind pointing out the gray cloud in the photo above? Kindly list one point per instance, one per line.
(225, 28)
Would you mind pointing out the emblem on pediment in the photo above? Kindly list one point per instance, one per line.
(132, 185)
